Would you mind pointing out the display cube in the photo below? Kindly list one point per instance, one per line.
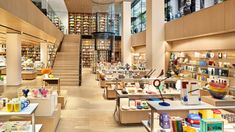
(46, 106)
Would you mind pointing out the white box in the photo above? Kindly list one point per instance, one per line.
(46, 106)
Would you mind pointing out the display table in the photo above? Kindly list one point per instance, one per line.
(176, 108)
(29, 75)
(110, 93)
(28, 111)
(136, 116)
(50, 81)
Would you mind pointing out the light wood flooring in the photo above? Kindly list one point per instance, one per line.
(86, 109)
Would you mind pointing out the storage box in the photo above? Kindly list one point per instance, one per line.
(211, 125)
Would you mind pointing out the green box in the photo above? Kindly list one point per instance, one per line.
(211, 125)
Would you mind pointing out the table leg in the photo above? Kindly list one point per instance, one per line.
(152, 121)
(33, 122)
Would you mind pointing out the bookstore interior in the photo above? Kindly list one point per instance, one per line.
(117, 65)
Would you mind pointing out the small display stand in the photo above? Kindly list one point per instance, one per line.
(28, 111)
(62, 94)
(219, 102)
(52, 81)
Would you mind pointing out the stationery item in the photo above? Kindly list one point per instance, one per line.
(190, 94)
(205, 114)
(217, 114)
(220, 55)
(176, 124)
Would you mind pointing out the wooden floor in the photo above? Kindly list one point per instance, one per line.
(86, 109)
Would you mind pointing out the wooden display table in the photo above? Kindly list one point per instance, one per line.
(29, 75)
(52, 81)
(136, 116)
(28, 111)
(176, 108)
(49, 122)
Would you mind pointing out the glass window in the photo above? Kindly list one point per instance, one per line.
(138, 19)
(177, 8)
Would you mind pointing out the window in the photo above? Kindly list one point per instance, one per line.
(177, 8)
(138, 19)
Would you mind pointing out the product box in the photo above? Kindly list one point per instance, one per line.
(211, 125)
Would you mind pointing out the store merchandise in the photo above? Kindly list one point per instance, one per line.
(31, 52)
(15, 126)
(164, 120)
(14, 105)
(52, 49)
(85, 23)
(218, 90)
(211, 125)
(40, 92)
(190, 94)
(28, 64)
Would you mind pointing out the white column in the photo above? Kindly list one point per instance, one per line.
(13, 59)
(155, 47)
(44, 53)
(126, 32)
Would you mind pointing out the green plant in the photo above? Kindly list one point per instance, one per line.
(1, 78)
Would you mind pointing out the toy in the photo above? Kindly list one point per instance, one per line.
(211, 125)
(190, 94)
(164, 120)
(35, 92)
(25, 92)
(193, 120)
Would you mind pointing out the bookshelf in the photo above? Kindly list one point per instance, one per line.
(85, 23)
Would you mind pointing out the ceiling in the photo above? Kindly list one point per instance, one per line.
(83, 6)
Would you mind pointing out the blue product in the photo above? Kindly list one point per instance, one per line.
(164, 120)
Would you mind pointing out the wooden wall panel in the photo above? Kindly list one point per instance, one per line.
(138, 39)
(174, 29)
(24, 16)
(206, 21)
(215, 42)
(214, 20)
(230, 15)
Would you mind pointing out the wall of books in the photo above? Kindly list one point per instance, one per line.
(87, 23)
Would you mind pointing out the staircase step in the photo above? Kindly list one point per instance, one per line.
(65, 74)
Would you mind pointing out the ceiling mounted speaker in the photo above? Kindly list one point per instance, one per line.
(103, 1)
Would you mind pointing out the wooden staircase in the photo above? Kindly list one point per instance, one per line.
(66, 65)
